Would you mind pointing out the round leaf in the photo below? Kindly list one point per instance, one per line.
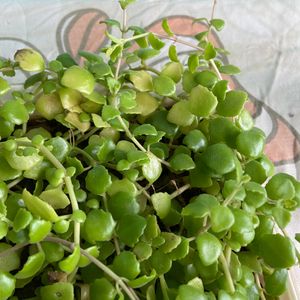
(126, 265)
(98, 180)
(164, 85)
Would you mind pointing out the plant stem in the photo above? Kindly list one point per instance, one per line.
(164, 287)
(99, 264)
(180, 191)
(69, 186)
(14, 182)
(13, 249)
(92, 161)
(227, 273)
(230, 197)
(261, 291)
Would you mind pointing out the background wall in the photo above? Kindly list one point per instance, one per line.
(263, 37)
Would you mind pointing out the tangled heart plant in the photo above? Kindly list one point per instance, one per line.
(138, 183)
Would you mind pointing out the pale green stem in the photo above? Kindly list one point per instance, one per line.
(69, 186)
(92, 161)
(99, 264)
(261, 291)
(14, 182)
(13, 249)
(180, 191)
(231, 196)
(227, 273)
(164, 287)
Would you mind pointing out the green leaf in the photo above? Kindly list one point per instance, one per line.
(161, 203)
(220, 89)
(111, 22)
(38, 207)
(180, 114)
(277, 251)
(173, 53)
(229, 69)
(38, 230)
(172, 241)
(30, 60)
(282, 216)
(195, 140)
(55, 66)
(155, 42)
(100, 70)
(144, 129)
(123, 185)
(276, 283)
(209, 51)
(219, 158)
(164, 85)
(78, 79)
(69, 264)
(200, 206)
(206, 78)
(9, 262)
(193, 62)
(209, 248)
(182, 162)
(7, 283)
(187, 292)
(33, 264)
(99, 226)
(66, 60)
(98, 180)
(152, 169)
(126, 265)
(109, 112)
(160, 262)
(218, 24)
(53, 252)
(146, 53)
(202, 101)
(55, 197)
(173, 70)
(233, 104)
(33, 79)
(130, 228)
(14, 111)
(127, 99)
(122, 203)
(22, 219)
(280, 186)
(141, 80)
(165, 26)
(201, 35)
(221, 218)
(4, 86)
(143, 280)
(125, 3)
(65, 290)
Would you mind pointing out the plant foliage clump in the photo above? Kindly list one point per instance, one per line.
(121, 181)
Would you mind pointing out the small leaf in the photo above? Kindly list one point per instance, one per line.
(7, 283)
(195, 140)
(101, 288)
(141, 80)
(69, 264)
(202, 101)
(152, 169)
(161, 203)
(144, 129)
(182, 162)
(126, 265)
(233, 103)
(142, 281)
(220, 89)
(277, 251)
(127, 99)
(66, 60)
(99, 226)
(173, 53)
(201, 35)
(180, 114)
(98, 180)
(14, 111)
(98, 121)
(218, 24)
(65, 290)
(221, 218)
(193, 62)
(229, 69)
(282, 216)
(109, 112)
(155, 42)
(33, 264)
(209, 248)
(206, 78)
(111, 22)
(209, 51)
(38, 230)
(33, 79)
(200, 206)
(39, 207)
(172, 241)
(164, 85)
(160, 262)
(146, 53)
(130, 228)
(166, 27)
(125, 3)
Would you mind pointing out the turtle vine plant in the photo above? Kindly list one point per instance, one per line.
(129, 182)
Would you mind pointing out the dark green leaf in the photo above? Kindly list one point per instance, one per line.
(209, 51)
(182, 162)
(66, 59)
(155, 42)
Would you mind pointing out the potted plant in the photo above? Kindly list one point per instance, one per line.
(129, 182)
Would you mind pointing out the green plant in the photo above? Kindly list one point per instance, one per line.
(137, 183)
